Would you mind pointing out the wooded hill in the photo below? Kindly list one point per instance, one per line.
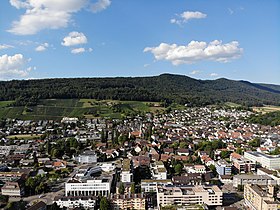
(165, 88)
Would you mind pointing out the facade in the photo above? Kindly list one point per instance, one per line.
(158, 170)
(126, 174)
(244, 179)
(267, 161)
(87, 202)
(223, 168)
(241, 164)
(189, 195)
(260, 198)
(12, 189)
(128, 201)
(89, 187)
(148, 185)
(87, 157)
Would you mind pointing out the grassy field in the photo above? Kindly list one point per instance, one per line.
(57, 108)
(266, 109)
(24, 136)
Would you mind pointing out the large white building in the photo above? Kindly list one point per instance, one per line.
(89, 187)
(189, 195)
(126, 174)
(268, 161)
(150, 185)
(244, 179)
(158, 170)
(87, 202)
(87, 157)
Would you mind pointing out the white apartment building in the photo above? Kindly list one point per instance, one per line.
(267, 161)
(158, 170)
(12, 189)
(126, 174)
(149, 185)
(87, 202)
(87, 157)
(244, 179)
(89, 187)
(189, 195)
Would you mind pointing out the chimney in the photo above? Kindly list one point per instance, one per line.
(271, 190)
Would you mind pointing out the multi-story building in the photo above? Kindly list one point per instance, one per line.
(244, 179)
(126, 174)
(241, 164)
(189, 195)
(223, 168)
(5, 150)
(128, 201)
(86, 202)
(87, 157)
(158, 170)
(149, 185)
(12, 189)
(260, 198)
(89, 186)
(267, 161)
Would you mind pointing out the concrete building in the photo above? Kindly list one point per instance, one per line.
(223, 168)
(149, 185)
(241, 164)
(244, 179)
(126, 173)
(87, 157)
(189, 195)
(12, 189)
(86, 202)
(5, 150)
(260, 198)
(158, 170)
(128, 201)
(267, 161)
(89, 187)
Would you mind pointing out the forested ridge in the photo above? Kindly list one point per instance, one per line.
(166, 88)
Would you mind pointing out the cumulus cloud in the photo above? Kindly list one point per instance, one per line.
(13, 66)
(42, 47)
(49, 14)
(196, 51)
(213, 75)
(74, 38)
(5, 46)
(78, 50)
(194, 72)
(100, 5)
(186, 16)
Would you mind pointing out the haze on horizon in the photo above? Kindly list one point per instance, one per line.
(237, 40)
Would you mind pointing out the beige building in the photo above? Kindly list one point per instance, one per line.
(12, 189)
(260, 198)
(189, 195)
(128, 201)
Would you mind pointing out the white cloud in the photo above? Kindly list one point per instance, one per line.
(100, 5)
(90, 49)
(230, 11)
(78, 50)
(44, 14)
(194, 72)
(196, 51)
(74, 38)
(42, 47)
(13, 66)
(213, 75)
(5, 46)
(186, 16)
(146, 65)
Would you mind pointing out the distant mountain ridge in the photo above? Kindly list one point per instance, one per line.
(165, 87)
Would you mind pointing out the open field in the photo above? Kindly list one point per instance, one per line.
(57, 108)
(266, 109)
(24, 136)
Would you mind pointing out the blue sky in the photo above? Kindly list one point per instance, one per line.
(106, 38)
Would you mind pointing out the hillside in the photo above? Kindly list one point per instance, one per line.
(166, 87)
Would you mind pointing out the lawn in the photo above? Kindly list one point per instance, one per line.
(266, 109)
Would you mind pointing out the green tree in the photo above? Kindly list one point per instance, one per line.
(104, 204)
(121, 188)
(178, 168)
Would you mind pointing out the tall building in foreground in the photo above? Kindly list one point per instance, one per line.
(189, 195)
(260, 197)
